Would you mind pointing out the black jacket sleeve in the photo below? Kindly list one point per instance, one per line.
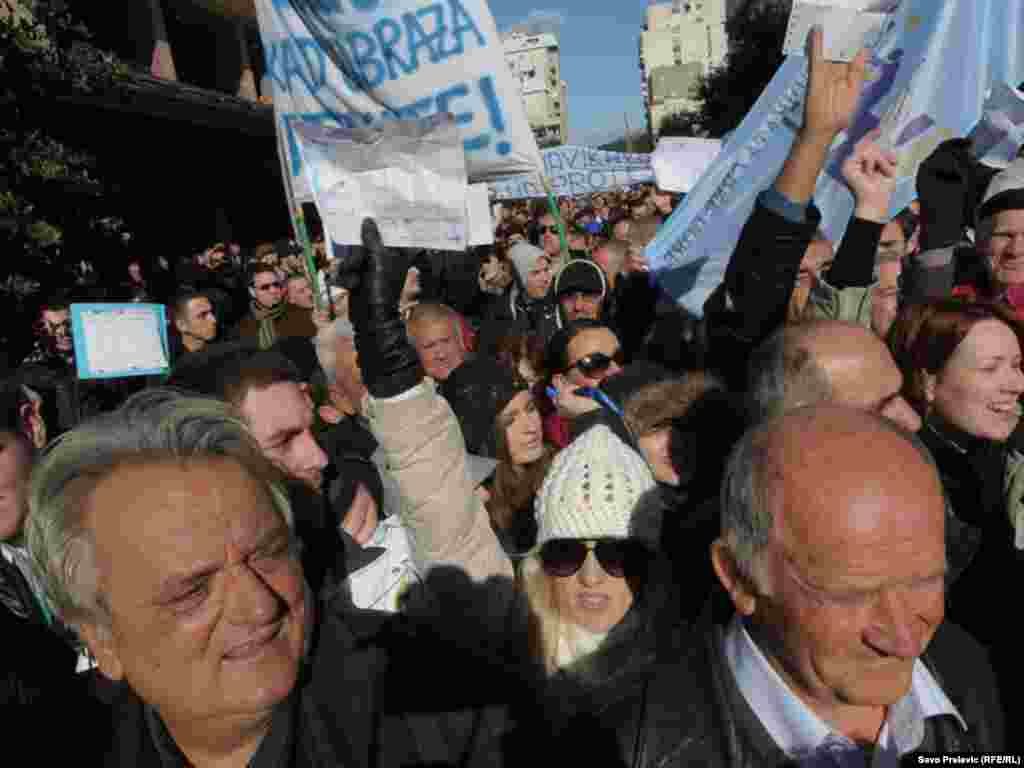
(854, 265)
(751, 302)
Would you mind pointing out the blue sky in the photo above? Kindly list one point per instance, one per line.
(599, 42)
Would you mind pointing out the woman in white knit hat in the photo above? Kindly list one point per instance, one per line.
(598, 519)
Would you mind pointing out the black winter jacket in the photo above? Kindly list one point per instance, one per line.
(689, 711)
(378, 690)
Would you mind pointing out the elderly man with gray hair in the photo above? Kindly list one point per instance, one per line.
(164, 536)
(825, 644)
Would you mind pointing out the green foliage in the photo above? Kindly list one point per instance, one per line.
(756, 32)
(51, 194)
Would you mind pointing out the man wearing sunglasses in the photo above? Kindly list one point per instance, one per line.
(549, 239)
(270, 316)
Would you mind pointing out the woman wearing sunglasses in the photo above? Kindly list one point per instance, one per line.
(594, 584)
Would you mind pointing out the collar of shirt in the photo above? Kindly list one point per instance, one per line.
(798, 731)
(274, 751)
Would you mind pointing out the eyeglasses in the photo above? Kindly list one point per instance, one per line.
(598, 362)
(564, 557)
(545, 229)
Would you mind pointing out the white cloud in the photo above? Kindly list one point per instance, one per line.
(541, 20)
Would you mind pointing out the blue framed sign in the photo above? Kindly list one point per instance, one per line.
(113, 341)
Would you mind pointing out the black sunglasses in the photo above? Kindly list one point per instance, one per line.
(598, 362)
(564, 557)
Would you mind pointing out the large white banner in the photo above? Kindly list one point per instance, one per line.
(573, 171)
(356, 63)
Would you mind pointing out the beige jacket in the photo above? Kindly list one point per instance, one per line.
(426, 456)
(852, 305)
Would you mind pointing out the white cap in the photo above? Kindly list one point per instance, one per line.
(592, 489)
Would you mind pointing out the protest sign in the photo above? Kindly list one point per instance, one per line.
(573, 171)
(998, 137)
(409, 176)
(680, 162)
(118, 340)
(478, 214)
(907, 95)
(359, 63)
(847, 26)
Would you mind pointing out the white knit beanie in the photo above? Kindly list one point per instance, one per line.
(592, 489)
(523, 256)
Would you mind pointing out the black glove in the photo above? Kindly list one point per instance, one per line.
(375, 276)
(950, 184)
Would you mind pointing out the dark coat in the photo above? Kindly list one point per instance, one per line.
(509, 314)
(378, 690)
(630, 311)
(752, 301)
(974, 484)
(689, 711)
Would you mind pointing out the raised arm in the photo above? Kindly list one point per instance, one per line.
(418, 432)
(870, 173)
(759, 280)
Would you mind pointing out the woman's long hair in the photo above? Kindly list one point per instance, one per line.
(514, 485)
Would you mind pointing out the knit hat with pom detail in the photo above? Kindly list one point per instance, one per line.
(597, 488)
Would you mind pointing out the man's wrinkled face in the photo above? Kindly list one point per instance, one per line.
(57, 325)
(204, 587)
(439, 347)
(281, 419)
(1005, 248)
(846, 608)
(15, 468)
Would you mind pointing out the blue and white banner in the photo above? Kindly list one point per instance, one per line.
(928, 78)
(573, 171)
(355, 63)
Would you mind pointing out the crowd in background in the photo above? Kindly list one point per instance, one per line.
(480, 508)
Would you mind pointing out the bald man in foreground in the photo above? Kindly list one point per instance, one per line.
(830, 648)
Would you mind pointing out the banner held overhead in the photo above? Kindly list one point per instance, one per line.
(358, 63)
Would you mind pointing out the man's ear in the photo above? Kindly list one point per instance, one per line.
(33, 424)
(744, 599)
(100, 641)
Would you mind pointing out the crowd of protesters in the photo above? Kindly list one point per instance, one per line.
(514, 504)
